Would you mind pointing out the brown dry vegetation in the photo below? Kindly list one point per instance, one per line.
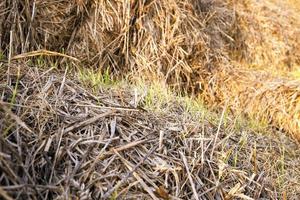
(158, 37)
(236, 55)
(184, 43)
(275, 100)
(269, 35)
(60, 141)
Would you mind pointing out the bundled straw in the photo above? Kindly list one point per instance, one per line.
(58, 141)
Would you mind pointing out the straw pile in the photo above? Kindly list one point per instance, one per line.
(268, 36)
(59, 141)
(258, 95)
(32, 25)
(185, 43)
(152, 37)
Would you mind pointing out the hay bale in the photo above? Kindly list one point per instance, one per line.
(259, 95)
(51, 25)
(268, 36)
(163, 37)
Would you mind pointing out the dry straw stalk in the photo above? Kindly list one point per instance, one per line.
(79, 146)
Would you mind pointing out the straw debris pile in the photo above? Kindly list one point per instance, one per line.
(59, 141)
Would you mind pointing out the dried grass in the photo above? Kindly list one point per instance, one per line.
(157, 38)
(184, 43)
(59, 141)
(268, 36)
(259, 95)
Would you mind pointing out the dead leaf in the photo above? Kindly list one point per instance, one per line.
(162, 192)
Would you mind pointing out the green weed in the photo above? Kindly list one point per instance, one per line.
(95, 78)
(2, 56)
